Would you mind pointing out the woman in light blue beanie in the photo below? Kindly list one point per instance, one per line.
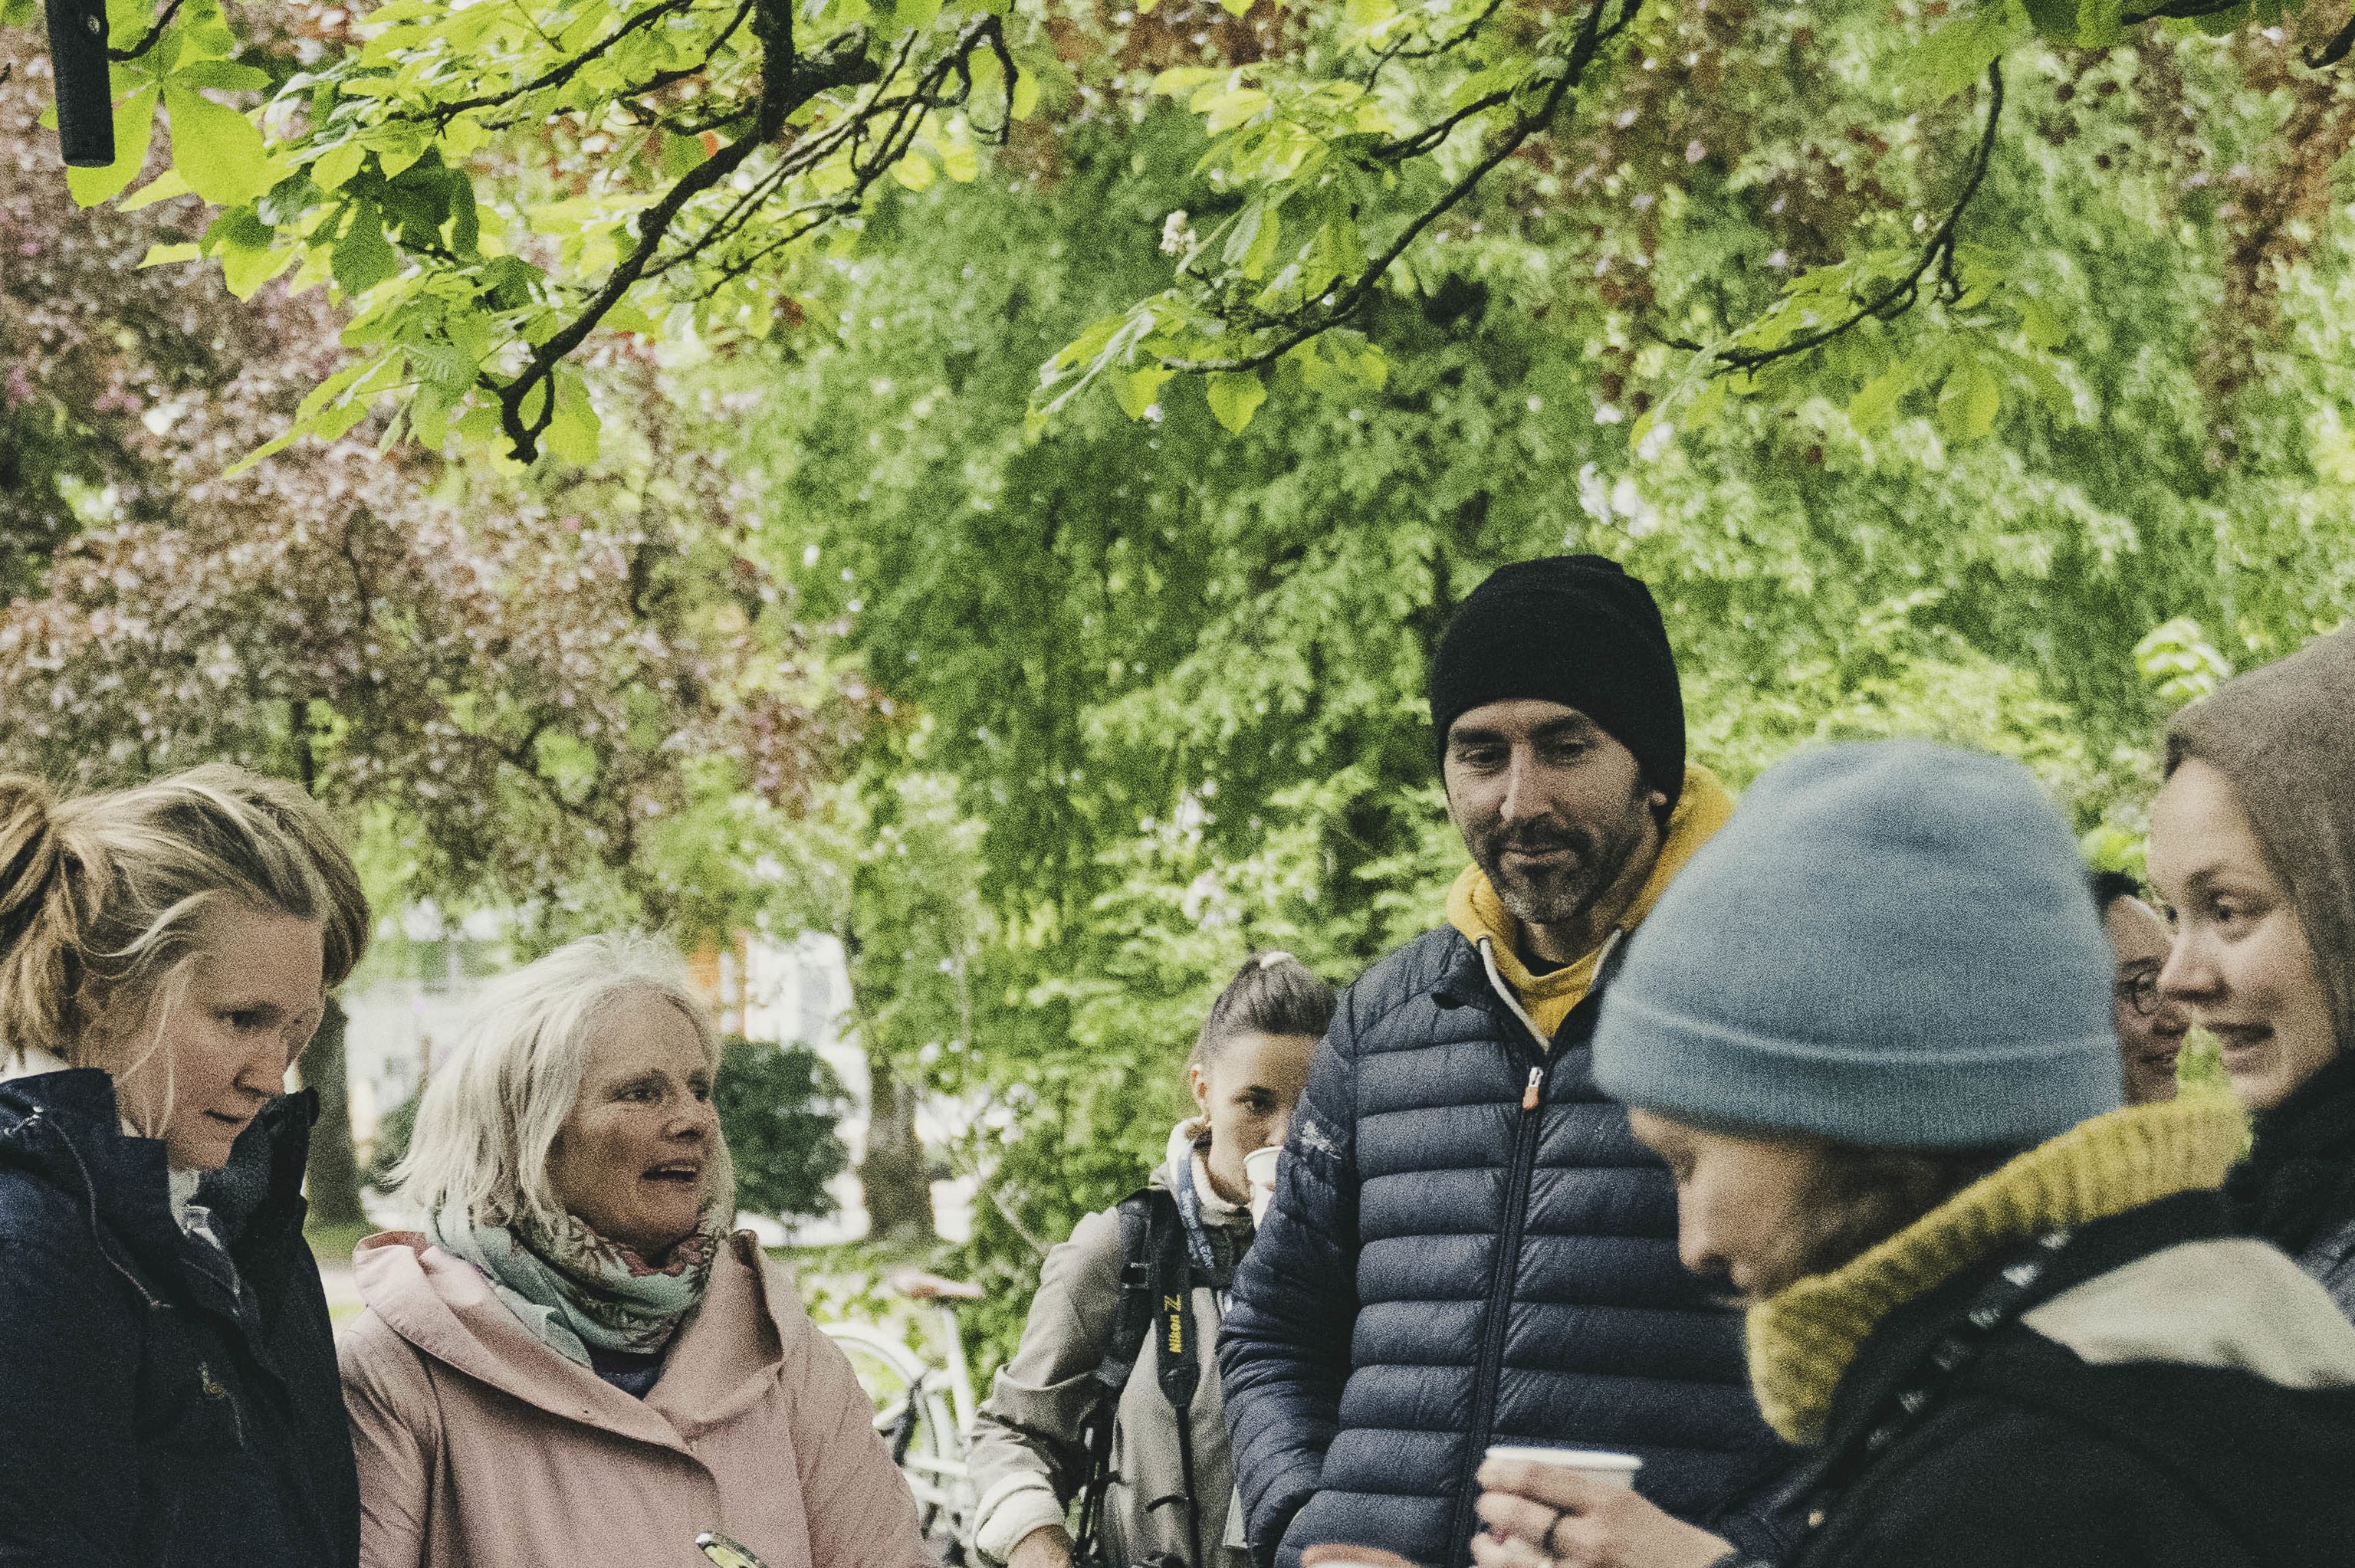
(1867, 1029)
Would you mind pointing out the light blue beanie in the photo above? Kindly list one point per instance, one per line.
(1891, 944)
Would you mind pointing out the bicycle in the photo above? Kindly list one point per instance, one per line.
(922, 1412)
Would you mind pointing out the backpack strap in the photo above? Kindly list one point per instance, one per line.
(1132, 1326)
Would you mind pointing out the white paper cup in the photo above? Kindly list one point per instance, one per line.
(1259, 1173)
(1598, 1466)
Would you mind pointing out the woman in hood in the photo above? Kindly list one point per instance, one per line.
(166, 953)
(2012, 1324)
(579, 1361)
(2253, 841)
(1169, 1496)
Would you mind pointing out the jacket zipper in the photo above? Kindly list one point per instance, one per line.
(1504, 1272)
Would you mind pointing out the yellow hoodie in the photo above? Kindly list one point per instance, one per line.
(1473, 909)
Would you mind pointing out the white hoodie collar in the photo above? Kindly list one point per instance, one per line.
(30, 1061)
(1188, 1142)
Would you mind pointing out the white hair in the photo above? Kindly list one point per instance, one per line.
(491, 1112)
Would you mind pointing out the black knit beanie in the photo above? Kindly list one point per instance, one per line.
(1574, 629)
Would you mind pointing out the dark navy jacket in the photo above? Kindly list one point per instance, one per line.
(1443, 1269)
(162, 1410)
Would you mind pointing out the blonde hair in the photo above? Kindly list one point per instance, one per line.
(490, 1116)
(102, 895)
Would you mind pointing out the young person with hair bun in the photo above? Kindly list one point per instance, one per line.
(166, 953)
(1167, 1486)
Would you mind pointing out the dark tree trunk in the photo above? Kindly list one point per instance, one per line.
(333, 1178)
(898, 1187)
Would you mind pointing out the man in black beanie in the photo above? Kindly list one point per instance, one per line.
(1468, 1245)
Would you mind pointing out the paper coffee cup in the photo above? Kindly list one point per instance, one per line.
(1596, 1465)
(1259, 1173)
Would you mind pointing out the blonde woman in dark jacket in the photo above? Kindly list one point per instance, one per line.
(1171, 1487)
(164, 955)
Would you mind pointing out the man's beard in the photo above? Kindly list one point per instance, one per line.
(1560, 893)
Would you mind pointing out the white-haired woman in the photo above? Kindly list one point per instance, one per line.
(577, 1363)
(168, 1369)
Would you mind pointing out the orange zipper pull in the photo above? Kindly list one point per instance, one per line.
(1530, 1095)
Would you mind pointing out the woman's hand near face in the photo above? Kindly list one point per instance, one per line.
(1247, 1086)
(1545, 1513)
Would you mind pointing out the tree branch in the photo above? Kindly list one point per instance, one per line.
(784, 86)
(148, 39)
(1902, 295)
(443, 113)
(1342, 305)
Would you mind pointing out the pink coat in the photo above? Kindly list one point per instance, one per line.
(481, 1448)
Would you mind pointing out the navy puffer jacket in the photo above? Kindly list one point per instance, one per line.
(162, 1410)
(1443, 1269)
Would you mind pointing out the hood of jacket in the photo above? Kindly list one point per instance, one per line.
(2284, 737)
(1803, 1340)
(729, 1352)
(1475, 909)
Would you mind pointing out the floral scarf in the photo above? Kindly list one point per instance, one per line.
(574, 1288)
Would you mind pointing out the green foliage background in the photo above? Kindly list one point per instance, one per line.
(1168, 680)
(1050, 720)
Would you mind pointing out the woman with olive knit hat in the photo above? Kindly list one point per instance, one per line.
(2011, 1319)
(2254, 841)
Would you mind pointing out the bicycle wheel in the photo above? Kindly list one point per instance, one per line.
(913, 1418)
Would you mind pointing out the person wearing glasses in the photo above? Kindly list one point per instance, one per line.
(2150, 1024)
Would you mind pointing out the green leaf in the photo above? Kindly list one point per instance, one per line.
(164, 255)
(163, 187)
(2037, 322)
(1026, 93)
(1234, 398)
(217, 150)
(337, 165)
(1875, 403)
(135, 123)
(1968, 403)
(1180, 81)
(227, 75)
(364, 257)
(1957, 55)
(573, 434)
(245, 245)
(915, 171)
(1135, 389)
(1225, 111)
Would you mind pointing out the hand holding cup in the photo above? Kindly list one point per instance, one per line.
(1576, 1509)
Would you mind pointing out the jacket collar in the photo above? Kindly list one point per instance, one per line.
(730, 1352)
(67, 1127)
(1803, 1340)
